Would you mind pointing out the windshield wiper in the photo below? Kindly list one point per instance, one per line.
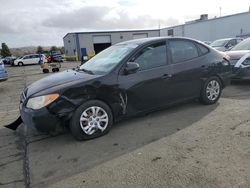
(87, 71)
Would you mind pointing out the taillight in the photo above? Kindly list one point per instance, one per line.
(227, 58)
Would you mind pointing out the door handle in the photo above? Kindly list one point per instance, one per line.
(166, 76)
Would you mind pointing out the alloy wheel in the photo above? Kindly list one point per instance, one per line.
(94, 119)
(213, 90)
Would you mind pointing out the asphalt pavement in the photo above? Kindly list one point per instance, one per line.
(31, 159)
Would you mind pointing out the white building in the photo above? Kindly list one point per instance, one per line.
(204, 29)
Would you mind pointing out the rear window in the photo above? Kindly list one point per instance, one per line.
(182, 50)
(204, 50)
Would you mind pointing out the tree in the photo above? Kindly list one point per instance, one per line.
(5, 50)
(62, 50)
(39, 50)
(53, 48)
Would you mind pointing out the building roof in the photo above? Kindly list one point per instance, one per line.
(211, 19)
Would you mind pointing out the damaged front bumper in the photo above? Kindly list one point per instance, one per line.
(241, 68)
(41, 120)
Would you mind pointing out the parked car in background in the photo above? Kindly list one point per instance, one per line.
(207, 42)
(29, 59)
(9, 60)
(125, 79)
(225, 44)
(55, 56)
(3, 72)
(240, 60)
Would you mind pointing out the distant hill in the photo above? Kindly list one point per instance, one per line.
(26, 50)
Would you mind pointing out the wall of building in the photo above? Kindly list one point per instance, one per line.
(213, 29)
(69, 42)
(205, 30)
(86, 39)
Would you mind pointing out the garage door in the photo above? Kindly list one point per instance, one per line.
(140, 35)
(101, 39)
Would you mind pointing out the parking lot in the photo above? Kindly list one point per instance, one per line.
(200, 146)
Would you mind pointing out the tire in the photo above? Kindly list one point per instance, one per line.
(53, 70)
(88, 128)
(45, 71)
(20, 64)
(57, 69)
(212, 95)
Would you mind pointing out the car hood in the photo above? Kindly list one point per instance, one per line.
(237, 54)
(58, 79)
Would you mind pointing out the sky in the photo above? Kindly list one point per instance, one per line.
(46, 22)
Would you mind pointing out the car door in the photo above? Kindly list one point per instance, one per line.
(26, 60)
(188, 67)
(149, 87)
(36, 59)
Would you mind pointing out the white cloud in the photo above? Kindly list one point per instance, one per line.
(45, 22)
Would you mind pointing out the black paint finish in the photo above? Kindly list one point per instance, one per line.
(126, 94)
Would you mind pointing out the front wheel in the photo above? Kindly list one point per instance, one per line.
(20, 64)
(211, 91)
(92, 119)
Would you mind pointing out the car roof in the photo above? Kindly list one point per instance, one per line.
(151, 39)
(228, 39)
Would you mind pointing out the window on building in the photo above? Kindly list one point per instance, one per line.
(182, 50)
(170, 32)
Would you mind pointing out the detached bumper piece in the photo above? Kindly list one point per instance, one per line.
(15, 124)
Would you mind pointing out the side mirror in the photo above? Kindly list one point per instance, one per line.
(131, 68)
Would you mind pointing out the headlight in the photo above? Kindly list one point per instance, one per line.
(246, 62)
(41, 101)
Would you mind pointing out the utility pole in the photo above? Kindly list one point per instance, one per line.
(220, 11)
(159, 24)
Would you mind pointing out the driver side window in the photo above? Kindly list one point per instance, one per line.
(152, 56)
(26, 57)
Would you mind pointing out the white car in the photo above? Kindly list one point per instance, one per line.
(30, 59)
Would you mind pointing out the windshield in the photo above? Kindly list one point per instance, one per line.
(219, 43)
(106, 60)
(244, 45)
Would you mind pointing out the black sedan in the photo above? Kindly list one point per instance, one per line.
(126, 79)
(240, 60)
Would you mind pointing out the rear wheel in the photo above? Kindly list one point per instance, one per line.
(92, 119)
(211, 91)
